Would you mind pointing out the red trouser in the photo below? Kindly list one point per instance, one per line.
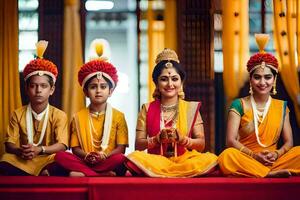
(71, 162)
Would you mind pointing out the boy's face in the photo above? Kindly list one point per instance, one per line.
(98, 91)
(39, 89)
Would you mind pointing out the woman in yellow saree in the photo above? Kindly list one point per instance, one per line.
(255, 124)
(170, 128)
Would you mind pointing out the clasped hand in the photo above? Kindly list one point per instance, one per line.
(168, 135)
(266, 157)
(29, 151)
(93, 158)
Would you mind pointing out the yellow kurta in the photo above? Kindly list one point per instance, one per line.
(236, 163)
(81, 132)
(56, 132)
(191, 163)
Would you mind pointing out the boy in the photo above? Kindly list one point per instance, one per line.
(99, 134)
(38, 130)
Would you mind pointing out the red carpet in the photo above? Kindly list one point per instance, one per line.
(148, 188)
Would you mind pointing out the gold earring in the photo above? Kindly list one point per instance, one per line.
(250, 89)
(156, 94)
(181, 93)
(274, 92)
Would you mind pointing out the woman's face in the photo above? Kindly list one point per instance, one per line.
(262, 81)
(169, 83)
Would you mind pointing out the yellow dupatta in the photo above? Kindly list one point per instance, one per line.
(269, 130)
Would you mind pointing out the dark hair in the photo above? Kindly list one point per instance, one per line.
(161, 65)
(50, 80)
(90, 79)
(272, 70)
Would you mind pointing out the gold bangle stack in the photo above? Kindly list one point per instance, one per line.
(249, 152)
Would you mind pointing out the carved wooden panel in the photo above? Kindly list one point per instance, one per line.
(195, 30)
(51, 18)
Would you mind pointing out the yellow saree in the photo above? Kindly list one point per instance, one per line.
(236, 163)
(189, 163)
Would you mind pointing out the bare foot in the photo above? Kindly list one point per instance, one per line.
(282, 173)
(45, 173)
(108, 173)
(76, 174)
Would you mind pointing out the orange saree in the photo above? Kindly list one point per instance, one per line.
(236, 163)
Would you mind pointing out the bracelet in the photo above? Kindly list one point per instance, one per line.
(241, 149)
(43, 149)
(250, 153)
(103, 153)
(86, 156)
(278, 154)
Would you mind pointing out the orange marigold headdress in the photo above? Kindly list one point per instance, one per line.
(40, 66)
(99, 65)
(262, 59)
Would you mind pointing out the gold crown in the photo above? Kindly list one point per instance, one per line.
(167, 54)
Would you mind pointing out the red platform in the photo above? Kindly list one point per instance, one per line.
(148, 188)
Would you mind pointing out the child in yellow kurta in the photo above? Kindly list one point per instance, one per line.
(99, 134)
(38, 130)
(255, 124)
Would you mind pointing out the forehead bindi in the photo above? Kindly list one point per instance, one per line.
(169, 72)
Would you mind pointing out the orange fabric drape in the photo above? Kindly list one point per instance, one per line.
(161, 34)
(170, 19)
(155, 44)
(9, 71)
(73, 97)
(235, 45)
(286, 34)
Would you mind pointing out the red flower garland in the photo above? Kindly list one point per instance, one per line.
(258, 58)
(40, 65)
(97, 66)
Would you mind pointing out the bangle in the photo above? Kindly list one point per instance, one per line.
(250, 153)
(241, 149)
(43, 150)
(278, 154)
(103, 153)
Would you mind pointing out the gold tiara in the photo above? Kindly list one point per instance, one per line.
(167, 54)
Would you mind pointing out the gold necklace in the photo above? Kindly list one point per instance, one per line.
(96, 143)
(167, 108)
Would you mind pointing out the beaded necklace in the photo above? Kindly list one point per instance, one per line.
(29, 124)
(257, 119)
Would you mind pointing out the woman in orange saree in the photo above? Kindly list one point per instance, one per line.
(170, 128)
(255, 124)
